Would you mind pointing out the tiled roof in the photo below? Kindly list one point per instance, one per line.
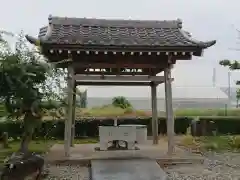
(101, 32)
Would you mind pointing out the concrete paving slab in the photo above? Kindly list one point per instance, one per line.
(127, 170)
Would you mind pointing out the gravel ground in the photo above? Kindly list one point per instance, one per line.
(215, 167)
(72, 172)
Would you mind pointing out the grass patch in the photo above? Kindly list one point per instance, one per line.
(111, 111)
(214, 143)
(103, 111)
(35, 146)
(82, 141)
(39, 146)
(86, 141)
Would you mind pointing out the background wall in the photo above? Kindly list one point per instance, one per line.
(140, 97)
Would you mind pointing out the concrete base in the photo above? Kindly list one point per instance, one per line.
(86, 152)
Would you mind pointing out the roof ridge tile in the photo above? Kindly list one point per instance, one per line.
(116, 22)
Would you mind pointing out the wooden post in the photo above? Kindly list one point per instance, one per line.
(169, 110)
(68, 121)
(73, 115)
(66, 128)
(154, 113)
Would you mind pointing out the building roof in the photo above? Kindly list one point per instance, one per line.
(187, 93)
(118, 33)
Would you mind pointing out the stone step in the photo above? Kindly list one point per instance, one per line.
(141, 169)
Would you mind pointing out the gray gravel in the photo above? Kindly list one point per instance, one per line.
(215, 167)
(70, 172)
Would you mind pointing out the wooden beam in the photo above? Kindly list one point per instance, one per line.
(156, 71)
(112, 73)
(103, 65)
(112, 83)
(146, 71)
(118, 78)
(110, 57)
(119, 61)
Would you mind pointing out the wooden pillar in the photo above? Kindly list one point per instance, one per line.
(68, 121)
(169, 110)
(73, 114)
(154, 113)
(66, 127)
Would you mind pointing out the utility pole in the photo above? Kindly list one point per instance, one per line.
(214, 77)
(229, 87)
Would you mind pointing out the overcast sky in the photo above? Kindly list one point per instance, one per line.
(205, 19)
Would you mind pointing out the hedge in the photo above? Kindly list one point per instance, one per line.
(89, 128)
(222, 125)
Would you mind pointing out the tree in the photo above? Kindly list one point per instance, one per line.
(23, 80)
(121, 102)
(83, 98)
(232, 65)
(2, 32)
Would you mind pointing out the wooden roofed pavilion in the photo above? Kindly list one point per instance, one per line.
(118, 52)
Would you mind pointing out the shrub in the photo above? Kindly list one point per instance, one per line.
(234, 142)
(128, 110)
(208, 112)
(213, 146)
(188, 141)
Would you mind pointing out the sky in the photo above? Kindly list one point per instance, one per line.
(205, 20)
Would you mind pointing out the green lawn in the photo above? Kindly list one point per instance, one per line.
(81, 141)
(39, 146)
(35, 146)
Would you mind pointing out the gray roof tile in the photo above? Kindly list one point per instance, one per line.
(101, 32)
